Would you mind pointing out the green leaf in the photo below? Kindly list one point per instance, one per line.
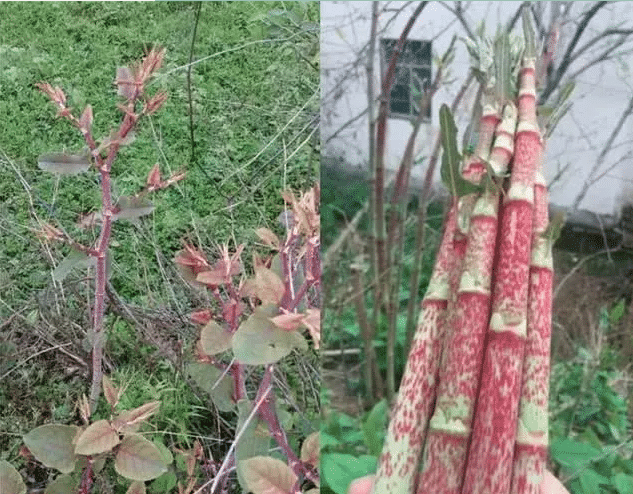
(258, 341)
(451, 159)
(374, 427)
(328, 441)
(219, 385)
(64, 484)
(64, 164)
(339, 470)
(75, 259)
(528, 33)
(573, 454)
(565, 92)
(254, 441)
(164, 484)
(623, 483)
(132, 207)
(10, 480)
(591, 481)
(139, 459)
(52, 445)
(214, 338)
(136, 487)
(503, 72)
(617, 312)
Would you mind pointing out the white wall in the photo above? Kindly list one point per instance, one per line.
(602, 93)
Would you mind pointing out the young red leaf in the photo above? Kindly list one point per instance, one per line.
(155, 102)
(55, 94)
(153, 179)
(126, 83)
(312, 321)
(89, 220)
(268, 237)
(129, 419)
(64, 164)
(266, 286)
(174, 178)
(201, 316)
(50, 233)
(85, 122)
(288, 322)
(97, 438)
(110, 391)
(190, 262)
(310, 449)
(213, 277)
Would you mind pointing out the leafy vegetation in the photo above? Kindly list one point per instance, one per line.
(243, 130)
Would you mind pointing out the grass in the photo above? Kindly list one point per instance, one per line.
(254, 89)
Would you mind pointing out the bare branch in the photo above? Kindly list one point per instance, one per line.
(458, 12)
(608, 32)
(603, 57)
(591, 179)
(567, 58)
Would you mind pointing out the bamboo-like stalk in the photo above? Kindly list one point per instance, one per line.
(475, 167)
(530, 452)
(398, 463)
(444, 457)
(489, 467)
(420, 229)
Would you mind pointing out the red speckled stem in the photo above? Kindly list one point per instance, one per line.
(530, 452)
(444, 458)
(398, 463)
(475, 167)
(489, 467)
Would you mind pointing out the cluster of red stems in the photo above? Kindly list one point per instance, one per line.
(471, 414)
(288, 287)
(284, 300)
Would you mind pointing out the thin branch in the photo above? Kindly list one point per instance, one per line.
(458, 12)
(590, 180)
(608, 32)
(347, 124)
(567, 58)
(190, 65)
(603, 57)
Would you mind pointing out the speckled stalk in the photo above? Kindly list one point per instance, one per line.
(474, 167)
(444, 457)
(489, 466)
(530, 451)
(398, 463)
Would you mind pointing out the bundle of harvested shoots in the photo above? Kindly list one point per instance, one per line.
(471, 413)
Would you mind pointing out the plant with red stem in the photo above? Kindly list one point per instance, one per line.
(130, 82)
(261, 320)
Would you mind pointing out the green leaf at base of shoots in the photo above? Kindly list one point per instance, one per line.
(451, 159)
